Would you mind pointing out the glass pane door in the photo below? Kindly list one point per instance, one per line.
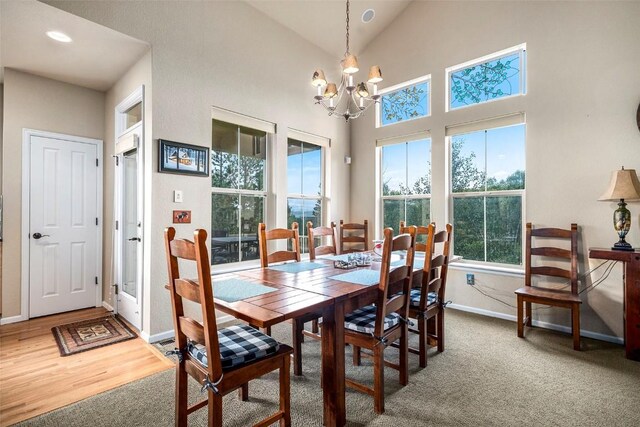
(130, 224)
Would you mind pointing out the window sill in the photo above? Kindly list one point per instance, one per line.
(461, 265)
(233, 267)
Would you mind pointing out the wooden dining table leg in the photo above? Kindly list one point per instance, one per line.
(333, 376)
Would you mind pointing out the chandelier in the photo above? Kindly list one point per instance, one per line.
(348, 100)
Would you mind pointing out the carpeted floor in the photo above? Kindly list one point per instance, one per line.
(486, 376)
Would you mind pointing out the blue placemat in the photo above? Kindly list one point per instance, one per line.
(232, 290)
(297, 267)
(359, 277)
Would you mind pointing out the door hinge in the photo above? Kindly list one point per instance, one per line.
(96, 162)
(117, 160)
(96, 280)
(115, 289)
(116, 225)
(96, 221)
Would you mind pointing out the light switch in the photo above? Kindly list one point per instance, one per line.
(177, 196)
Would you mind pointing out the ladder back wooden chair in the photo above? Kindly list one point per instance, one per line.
(421, 230)
(375, 327)
(221, 360)
(314, 251)
(321, 231)
(266, 258)
(543, 295)
(265, 236)
(354, 234)
(427, 301)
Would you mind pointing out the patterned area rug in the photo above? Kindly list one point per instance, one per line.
(77, 337)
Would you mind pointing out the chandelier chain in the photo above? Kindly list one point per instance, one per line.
(347, 52)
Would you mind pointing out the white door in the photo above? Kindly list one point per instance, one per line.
(130, 266)
(63, 225)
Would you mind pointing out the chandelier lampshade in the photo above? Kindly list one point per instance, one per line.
(347, 100)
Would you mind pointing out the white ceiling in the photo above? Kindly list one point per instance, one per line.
(322, 22)
(97, 57)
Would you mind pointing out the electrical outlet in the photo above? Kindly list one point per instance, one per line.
(471, 280)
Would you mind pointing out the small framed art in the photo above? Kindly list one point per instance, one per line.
(176, 157)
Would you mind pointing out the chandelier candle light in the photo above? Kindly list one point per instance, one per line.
(348, 100)
(624, 185)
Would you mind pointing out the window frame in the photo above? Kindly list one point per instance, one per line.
(399, 86)
(521, 49)
(323, 144)
(264, 193)
(379, 182)
(489, 124)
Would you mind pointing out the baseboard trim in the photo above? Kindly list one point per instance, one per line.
(12, 319)
(107, 306)
(538, 323)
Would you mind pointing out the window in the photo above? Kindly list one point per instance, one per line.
(238, 191)
(492, 77)
(487, 187)
(304, 186)
(406, 101)
(406, 183)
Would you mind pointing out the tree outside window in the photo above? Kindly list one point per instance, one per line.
(487, 185)
(238, 191)
(304, 187)
(406, 183)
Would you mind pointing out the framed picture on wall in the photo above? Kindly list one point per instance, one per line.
(176, 157)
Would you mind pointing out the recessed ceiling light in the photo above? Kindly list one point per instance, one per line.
(368, 15)
(58, 36)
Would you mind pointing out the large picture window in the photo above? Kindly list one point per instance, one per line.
(406, 183)
(304, 186)
(485, 79)
(238, 191)
(487, 187)
(406, 101)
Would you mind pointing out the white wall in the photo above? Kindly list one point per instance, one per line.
(583, 90)
(43, 104)
(229, 55)
(138, 75)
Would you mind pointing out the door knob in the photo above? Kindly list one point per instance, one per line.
(39, 236)
(133, 239)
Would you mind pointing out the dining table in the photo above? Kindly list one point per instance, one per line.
(300, 289)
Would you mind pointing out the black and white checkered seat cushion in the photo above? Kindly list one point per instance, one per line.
(414, 296)
(364, 320)
(238, 344)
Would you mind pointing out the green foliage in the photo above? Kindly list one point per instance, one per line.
(483, 82)
(503, 213)
(403, 104)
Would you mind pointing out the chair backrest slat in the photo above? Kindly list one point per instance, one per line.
(321, 231)
(265, 236)
(185, 327)
(436, 265)
(193, 330)
(188, 289)
(399, 302)
(563, 254)
(347, 236)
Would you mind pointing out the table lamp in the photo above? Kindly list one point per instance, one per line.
(624, 185)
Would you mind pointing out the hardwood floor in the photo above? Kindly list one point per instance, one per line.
(34, 379)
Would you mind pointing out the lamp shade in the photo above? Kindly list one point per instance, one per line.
(331, 90)
(624, 185)
(375, 74)
(318, 78)
(350, 64)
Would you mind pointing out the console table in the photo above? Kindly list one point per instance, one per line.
(631, 261)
